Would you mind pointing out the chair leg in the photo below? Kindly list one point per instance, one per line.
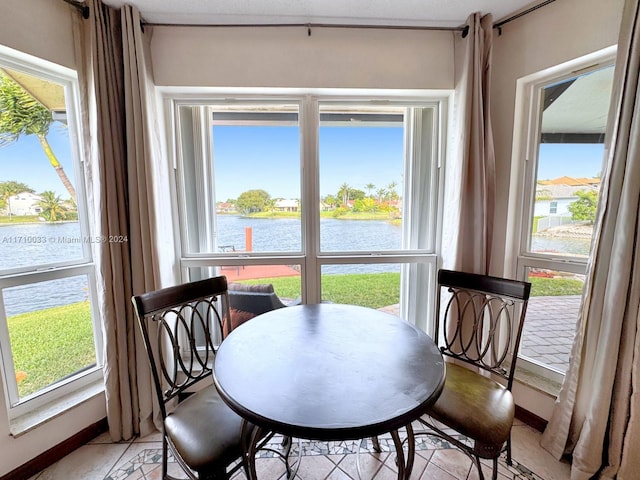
(494, 474)
(376, 444)
(476, 460)
(220, 474)
(509, 450)
(165, 456)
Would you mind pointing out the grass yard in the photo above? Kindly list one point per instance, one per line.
(49, 344)
(377, 290)
(372, 290)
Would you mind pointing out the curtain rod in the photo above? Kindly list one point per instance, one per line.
(464, 29)
(80, 6)
(499, 24)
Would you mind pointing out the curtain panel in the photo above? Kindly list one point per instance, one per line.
(596, 419)
(470, 183)
(121, 154)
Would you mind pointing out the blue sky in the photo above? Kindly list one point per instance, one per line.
(24, 161)
(270, 156)
(573, 160)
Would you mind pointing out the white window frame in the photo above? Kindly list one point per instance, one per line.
(311, 259)
(54, 270)
(518, 258)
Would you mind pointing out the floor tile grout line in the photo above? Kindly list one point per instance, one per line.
(113, 466)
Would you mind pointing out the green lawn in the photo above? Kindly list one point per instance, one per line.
(19, 219)
(380, 289)
(50, 344)
(373, 290)
(542, 287)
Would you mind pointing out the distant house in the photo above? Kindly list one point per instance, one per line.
(24, 203)
(225, 207)
(553, 197)
(286, 205)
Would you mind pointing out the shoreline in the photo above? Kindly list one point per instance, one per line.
(567, 231)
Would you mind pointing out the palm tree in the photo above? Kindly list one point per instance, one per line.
(21, 114)
(392, 190)
(52, 206)
(369, 187)
(344, 191)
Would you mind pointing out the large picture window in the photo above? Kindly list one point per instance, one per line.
(330, 200)
(49, 338)
(558, 186)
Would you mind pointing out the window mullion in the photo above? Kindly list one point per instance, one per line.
(309, 128)
(11, 385)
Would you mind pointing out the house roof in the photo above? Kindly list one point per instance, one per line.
(571, 181)
(49, 94)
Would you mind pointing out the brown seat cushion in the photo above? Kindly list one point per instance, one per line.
(205, 431)
(238, 317)
(477, 407)
(243, 287)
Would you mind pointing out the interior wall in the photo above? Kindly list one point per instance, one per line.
(42, 29)
(290, 58)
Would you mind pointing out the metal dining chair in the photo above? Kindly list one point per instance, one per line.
(479, 327)
(182, 327)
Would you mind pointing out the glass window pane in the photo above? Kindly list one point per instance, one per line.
(51, 331)
(256, 163)
(48, 337)
(32, 244)
(247, 233)
(570, 157)
(368, 285)
(361, 178)
(38, 212)
(552, 312)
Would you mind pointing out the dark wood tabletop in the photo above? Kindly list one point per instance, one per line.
(328, 371)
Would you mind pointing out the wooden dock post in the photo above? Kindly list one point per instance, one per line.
(248, 239)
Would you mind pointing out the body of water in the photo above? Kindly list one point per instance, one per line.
(38, 244)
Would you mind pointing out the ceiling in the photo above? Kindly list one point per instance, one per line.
(431, 13)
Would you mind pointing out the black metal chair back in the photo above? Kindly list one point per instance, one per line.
(479, 318)
(187, 325)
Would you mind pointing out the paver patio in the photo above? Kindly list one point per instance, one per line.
(549, 329)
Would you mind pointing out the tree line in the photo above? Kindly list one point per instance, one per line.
(52, 207)
(374, 200)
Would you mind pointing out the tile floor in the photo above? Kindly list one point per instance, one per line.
(139, 460)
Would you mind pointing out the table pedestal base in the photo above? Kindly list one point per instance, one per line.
(253, 433)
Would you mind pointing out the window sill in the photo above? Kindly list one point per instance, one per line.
(38, 416)
(536, 381)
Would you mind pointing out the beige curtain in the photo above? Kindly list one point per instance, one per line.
(470, 183)
(597, 417)
(121, 148)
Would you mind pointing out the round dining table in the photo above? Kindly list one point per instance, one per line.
(329, 372)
